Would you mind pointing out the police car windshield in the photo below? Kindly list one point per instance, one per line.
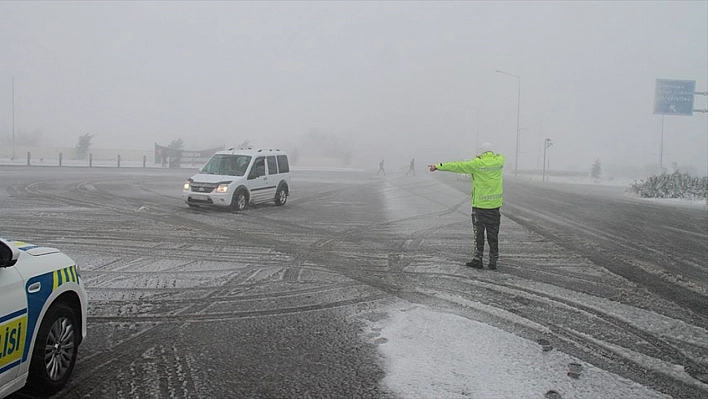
(227, 164)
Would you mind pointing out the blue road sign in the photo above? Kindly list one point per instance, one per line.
(674, 97)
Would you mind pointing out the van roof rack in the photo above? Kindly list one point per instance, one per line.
(232, 149)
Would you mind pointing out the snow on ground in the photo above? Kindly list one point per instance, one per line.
(620, 182)
(432, 354)
(691, 203)
(624, 182)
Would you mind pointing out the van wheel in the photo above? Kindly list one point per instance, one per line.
(238, 202)
(281, 195)
(54, 353)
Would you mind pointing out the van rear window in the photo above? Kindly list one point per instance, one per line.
(272, 167)
(283, 166)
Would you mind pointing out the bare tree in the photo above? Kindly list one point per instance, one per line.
(174, 152)
(176, 145)
(596, 170)
(83, 146)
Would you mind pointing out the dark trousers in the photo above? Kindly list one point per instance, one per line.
(486, 220)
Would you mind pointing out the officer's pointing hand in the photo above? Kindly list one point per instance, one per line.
(432, 168)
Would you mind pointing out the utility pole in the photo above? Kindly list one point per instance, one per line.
(518, 131)
(518, 110)
(476, 141)
(661, 147)
(705, 111)
(547, 143)
(13, 118)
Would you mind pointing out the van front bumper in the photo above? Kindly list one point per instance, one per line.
(206, 199)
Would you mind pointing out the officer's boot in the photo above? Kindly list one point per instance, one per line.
(492, 262)
(476, 263)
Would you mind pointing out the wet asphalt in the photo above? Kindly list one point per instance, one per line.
(274, 302)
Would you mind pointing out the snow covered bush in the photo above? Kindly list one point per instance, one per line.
(674, 185)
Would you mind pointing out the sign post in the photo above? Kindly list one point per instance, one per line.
(672, 97)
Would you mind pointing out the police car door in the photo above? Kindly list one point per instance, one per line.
(258, 180)
(13, 323)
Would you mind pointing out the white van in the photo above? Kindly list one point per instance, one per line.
(236, 177)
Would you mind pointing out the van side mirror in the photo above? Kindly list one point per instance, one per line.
(8, 254)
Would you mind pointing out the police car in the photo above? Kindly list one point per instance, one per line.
(42, 317)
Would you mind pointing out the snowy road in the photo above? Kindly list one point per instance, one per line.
(297, 301)
(663, 247)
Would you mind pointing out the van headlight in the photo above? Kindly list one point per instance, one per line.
(187, 183)
(222, 188)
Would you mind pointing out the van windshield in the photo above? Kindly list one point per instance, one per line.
(227, 164)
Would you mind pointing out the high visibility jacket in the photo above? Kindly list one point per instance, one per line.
(487, 182)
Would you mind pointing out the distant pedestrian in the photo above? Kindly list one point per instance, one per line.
(487, 198)
(381, 168)
(411, 169)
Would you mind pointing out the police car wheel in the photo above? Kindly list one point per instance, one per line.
(54, 353)
(281, 196)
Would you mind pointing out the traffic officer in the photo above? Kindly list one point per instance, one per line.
(487, 198)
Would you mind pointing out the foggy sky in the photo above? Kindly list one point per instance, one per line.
(391, 80)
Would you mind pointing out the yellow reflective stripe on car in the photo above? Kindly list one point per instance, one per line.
(13, 329)
(67, 274)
